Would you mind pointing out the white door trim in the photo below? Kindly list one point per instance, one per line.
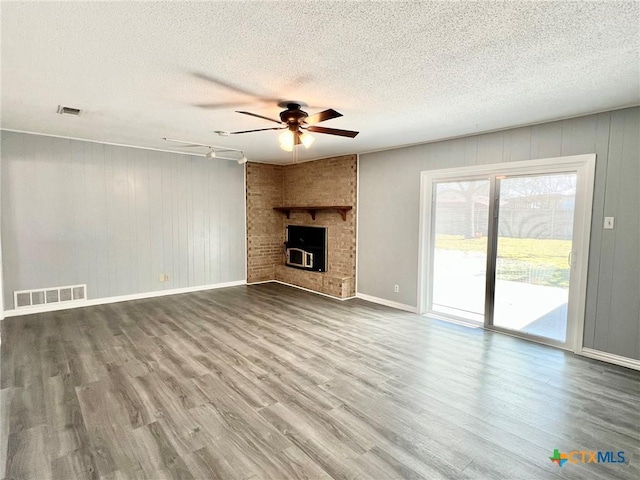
(583, 164)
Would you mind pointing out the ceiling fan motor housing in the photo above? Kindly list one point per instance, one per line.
(293, 116)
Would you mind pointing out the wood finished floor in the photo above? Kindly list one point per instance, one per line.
(268, 381)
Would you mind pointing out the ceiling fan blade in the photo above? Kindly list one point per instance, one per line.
(221, 105)
(333, 131)
(233, 87)
(258, 130)
(259, 116)
(322, 116)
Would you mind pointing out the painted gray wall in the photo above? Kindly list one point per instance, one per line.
(116, 217)
(389, 206)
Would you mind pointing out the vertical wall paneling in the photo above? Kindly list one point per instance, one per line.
(9, 148)
(188, 182)
(172, 173)
(180, 170)
(214, 231)
(167, 219)
(207, 227)
(238, 248)
(61, 206)
(597, 219)
(223, 237)
(156, 220)
(470, 150)
(116, 218)
(582, 138)
(1, 274)
(490, 148)
(142, 221)
(2, 460)
(546, 140)
(520, 145)
(197, 204)
(625, 281)
(76, 189)
(98, 185)
(223, 234)
(130, 180)
(390, 197)
(608, 239)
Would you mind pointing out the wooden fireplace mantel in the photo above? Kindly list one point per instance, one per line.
(341, 209)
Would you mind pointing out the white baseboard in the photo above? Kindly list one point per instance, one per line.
(611, 358)
(388, 303)
(120, 298)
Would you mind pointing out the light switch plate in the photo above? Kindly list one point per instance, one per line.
(608, 223)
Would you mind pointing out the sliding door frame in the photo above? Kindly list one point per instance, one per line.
(584, 165)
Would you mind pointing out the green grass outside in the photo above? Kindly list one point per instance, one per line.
(543, 262)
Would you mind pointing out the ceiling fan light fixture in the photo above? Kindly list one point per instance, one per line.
(286, 140)
(306, 139)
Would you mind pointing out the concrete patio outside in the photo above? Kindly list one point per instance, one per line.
(459, 289)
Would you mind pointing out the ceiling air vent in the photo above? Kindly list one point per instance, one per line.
(68, 110)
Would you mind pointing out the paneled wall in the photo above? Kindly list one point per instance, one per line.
(389, 204)
(116, 218)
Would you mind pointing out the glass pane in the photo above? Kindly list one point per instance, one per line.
(535, 230)
(460, 248)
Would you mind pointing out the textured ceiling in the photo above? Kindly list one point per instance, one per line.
(400, 72)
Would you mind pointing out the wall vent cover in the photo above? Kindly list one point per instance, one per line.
(68, 110)
(45, 296)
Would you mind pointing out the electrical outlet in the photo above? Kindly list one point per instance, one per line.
(396, 288)
(163, 277)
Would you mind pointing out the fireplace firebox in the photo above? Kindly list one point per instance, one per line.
(306, 248)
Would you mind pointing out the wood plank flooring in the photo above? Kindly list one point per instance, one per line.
(267, 381)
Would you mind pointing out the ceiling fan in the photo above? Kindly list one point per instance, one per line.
(296, 123)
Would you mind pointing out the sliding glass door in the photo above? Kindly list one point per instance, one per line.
(501, 246)
(533, 254)
(460, 249)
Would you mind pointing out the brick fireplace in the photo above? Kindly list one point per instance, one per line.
(330, 181)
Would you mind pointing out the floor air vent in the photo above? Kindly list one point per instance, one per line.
(44, 296)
